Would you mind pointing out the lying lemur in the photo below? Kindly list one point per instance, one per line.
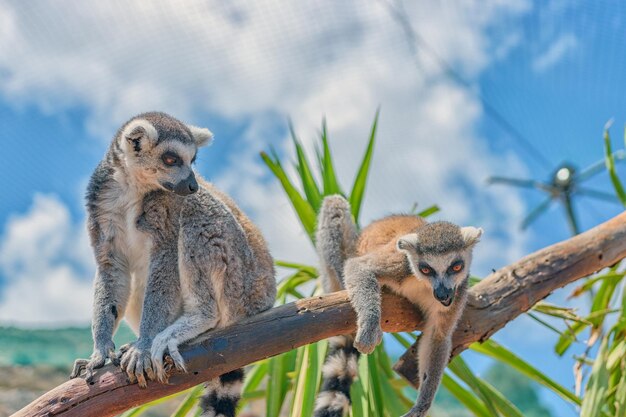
(175, 256)
(427, 263)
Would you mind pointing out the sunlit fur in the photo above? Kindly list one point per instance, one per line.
(175, 256)
(390, 252)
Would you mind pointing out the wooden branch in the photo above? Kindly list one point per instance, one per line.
(495, 301)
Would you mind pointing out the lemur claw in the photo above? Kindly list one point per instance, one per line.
(137, 364)
(163, 363)
(97, 360)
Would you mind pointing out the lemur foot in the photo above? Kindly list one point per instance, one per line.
(136, 362)
(163, 343)
(367, 338)
(97, 360)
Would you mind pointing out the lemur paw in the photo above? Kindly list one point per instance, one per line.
(367, 338)
(136, 362)
(97, 360)
(165, 343)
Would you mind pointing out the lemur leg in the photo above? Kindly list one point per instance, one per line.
(200, 316)
(222, 395)
(111, 290)
(336, 239)
(203, 264)
(433, 353)
(364, 292)
(434, 347)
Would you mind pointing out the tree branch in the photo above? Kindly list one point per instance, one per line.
(495, 301)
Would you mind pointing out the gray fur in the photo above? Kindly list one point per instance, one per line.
(438, 245)
(438, 238)
(174, 266)
(336, 239)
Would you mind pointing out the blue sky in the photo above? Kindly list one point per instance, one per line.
(70, 74)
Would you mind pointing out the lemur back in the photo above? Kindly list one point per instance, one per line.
(381, 233)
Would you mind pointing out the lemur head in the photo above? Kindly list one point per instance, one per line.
(157, 151)
(441, 253)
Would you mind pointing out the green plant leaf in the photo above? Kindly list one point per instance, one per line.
(327, 169)
(552, 310)
(504, 406)
(311, 190)
(305, 212)
(465, 397)
(358, 188)
(459, 368)
(500, 353)
(594, 399)
(255, 376)
(308, 378)
(278, 382)
(359, 400)
(189, 402)
(610, 166)
(134, 412)
(429, 211)
(374, 391)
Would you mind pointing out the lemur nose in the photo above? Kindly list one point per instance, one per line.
(444, 295)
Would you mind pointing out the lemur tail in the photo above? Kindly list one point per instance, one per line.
(336, 240)
(222, 395)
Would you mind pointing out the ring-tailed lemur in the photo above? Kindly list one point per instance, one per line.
(175, 256)
(427, 263)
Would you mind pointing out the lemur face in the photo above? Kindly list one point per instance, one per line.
(441, 253)
(158, 152)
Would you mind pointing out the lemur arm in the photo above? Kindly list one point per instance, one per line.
(162, 300)
(434, 346)
(364, 276)
(362, 282)
(161, 305)
(111, 290)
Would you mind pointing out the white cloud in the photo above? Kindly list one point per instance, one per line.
(45, 258)
(261, 61)
(558, 50)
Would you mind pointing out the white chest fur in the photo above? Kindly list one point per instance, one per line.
(417, 291)
(133, 246)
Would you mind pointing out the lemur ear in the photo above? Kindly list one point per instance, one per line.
(408, 242)
(202, 136)
(138, 135)
(471, 235)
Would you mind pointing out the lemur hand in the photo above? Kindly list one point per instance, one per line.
(136, 362)
(368, 337)
(101, 353)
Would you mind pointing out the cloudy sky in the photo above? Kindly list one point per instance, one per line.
(442, 73)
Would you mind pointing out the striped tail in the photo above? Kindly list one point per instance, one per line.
(222, 395)
(339, 371)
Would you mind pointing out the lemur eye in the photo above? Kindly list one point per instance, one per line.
(457, 267)
(170, 159)
(426, 270)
